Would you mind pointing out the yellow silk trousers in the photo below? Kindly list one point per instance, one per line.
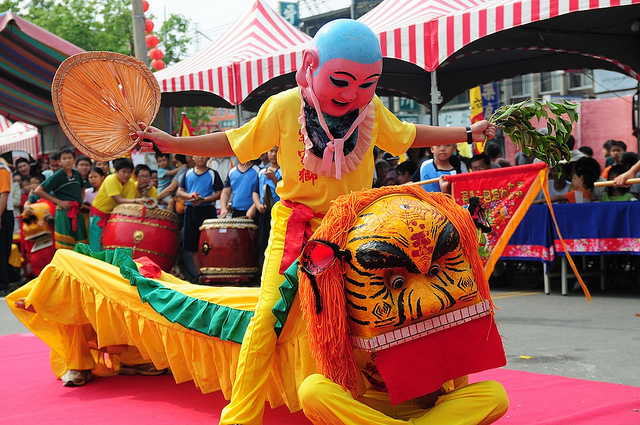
(327, 403)
(258, 346)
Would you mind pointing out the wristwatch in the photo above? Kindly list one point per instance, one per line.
(469, 135)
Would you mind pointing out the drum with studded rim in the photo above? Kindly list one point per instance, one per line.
(150, 232)
(229, 248)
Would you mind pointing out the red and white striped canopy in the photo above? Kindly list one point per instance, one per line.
(259, 46)
(20, 136)
(427, 32)
(4, 123)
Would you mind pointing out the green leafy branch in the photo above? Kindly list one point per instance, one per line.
(515, 121)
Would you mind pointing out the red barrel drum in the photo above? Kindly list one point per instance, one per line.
(148, 232)
(229, 248)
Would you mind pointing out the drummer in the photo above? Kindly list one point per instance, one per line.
(326, 130)
(117, 188)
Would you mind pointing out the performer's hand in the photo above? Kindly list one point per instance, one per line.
(154, 136)
(445, 186)
(23, 306)
(483, 130)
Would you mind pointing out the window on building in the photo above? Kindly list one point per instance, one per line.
(580, 79)
(548, 82)
(520, 86)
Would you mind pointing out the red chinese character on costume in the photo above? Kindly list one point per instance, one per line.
(305, 175)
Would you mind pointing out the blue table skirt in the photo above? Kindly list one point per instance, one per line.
(587, 229)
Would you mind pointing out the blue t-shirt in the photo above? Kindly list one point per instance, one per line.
(429, 170)
(163, 179)
(263, 181)
(242, 185)
(206, 184)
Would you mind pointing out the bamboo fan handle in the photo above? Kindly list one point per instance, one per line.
(610, 182)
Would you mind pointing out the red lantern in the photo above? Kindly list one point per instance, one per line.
(156, 54)
(148, 25)
(145, 5)
(152, 40)
(157, 64)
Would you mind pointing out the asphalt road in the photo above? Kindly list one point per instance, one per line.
(549, 334)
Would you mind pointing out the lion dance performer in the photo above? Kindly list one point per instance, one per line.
(398, 312)
(326, 130)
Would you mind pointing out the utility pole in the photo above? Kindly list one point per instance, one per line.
(139, 42)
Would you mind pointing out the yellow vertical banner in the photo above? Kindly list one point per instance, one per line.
(477, 112)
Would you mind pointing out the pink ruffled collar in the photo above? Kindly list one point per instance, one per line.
(350, 161)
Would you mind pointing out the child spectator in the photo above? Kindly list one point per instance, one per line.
(166, 172)
(96, 177)
(240, 183)
(586, 150)
(264, 196)
(382, 170)
(144, 185)
(606, 152)
(25, 190)
(480, 162)
(83, 165)
(106, 169)
(617, 149)
(34, 183)
(174, 204)
(443, 163)
(200, 187)
(617, 193)
(494, 152)
(404, 171)
(65, 189)
(581, 186)
(393, 163)
(117, 188)
(154, 178)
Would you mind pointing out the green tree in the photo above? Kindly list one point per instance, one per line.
(173, 40)
(99, 24)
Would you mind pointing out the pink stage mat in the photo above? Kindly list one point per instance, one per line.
(30, 394)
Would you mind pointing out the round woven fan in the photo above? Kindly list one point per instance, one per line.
(100, 98)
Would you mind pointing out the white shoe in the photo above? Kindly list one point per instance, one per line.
(75, 378)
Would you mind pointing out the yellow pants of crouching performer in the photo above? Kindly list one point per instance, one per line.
(258, 346)
(325, 402)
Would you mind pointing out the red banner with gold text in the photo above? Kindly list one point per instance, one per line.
(507, 193)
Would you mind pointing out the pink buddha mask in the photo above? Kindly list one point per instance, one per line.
(341, 68)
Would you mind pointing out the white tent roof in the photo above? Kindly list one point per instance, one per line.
(20, 136)
(427, 32)
(258, 47)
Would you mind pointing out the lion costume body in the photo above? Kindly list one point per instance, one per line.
(411, 259)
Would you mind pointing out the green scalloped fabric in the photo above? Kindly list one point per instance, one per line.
(226, 323)
(288, 291)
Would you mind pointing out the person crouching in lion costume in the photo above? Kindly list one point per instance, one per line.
(398, 313)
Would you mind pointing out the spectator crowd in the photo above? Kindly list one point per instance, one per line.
(82, 193)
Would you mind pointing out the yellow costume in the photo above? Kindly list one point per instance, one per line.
(299, 187)
(93, 319)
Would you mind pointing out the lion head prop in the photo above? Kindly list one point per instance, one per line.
(395, 272)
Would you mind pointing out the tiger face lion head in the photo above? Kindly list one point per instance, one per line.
(406, 265)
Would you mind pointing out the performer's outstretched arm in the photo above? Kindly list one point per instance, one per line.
(212, 144)
(428, 135)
